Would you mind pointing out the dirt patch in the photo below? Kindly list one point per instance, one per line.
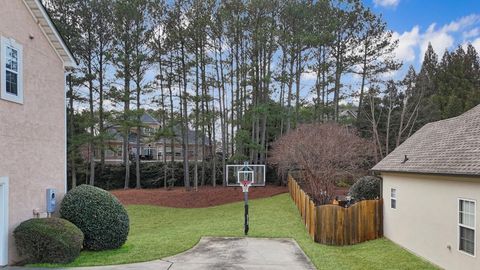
(204, 197)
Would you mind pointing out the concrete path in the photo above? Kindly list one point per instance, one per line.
(229, 254)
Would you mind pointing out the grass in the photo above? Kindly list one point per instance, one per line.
(158, 232)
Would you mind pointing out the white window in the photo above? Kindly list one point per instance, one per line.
(11, 75)
(466, 224)
(393, 198)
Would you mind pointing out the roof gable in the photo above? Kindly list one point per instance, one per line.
(450, 146)
(148, 119)
(45, 23)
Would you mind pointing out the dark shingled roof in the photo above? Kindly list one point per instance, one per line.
(148, 119)
(450, 146)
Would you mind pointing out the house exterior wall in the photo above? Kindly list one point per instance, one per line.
(426, 218)
(32, 134)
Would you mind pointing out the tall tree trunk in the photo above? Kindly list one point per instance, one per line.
(197, 121)
(232, 119)
(184, 99)
(221, 103)
(164, 123)
(172, 131)
(298, 75)
(204, 104)
(282, 89)
(139, 135)
(362, 85)
(213, 149)
(126, 115)
(92, 121)
(289, 96)
(324, 85)
(101, 117)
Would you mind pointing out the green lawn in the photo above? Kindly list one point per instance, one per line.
(158, 232)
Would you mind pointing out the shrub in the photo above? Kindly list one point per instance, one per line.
(365, 188)
(100, 216)
(48, 240)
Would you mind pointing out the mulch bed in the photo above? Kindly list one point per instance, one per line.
(204, 197)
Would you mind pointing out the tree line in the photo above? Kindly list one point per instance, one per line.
(234, 71)
(443, 88)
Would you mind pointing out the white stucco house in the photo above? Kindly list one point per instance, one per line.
(431, 190)
(33, 62)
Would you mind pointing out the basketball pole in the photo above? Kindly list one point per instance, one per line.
(245, 196)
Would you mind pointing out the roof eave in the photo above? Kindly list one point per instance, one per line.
(425, 173)
(51, 32)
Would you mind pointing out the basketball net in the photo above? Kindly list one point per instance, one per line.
(245, 185)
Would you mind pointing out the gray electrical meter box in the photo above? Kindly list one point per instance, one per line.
(51, 200)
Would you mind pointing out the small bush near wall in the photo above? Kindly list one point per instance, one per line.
(48, 240)
(100, 216)
(365, 188)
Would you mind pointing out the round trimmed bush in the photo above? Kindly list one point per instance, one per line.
(365, 188)
(100, 216)
(48, 240)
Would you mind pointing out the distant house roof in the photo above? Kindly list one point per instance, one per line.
(190, 135)
(348, 113)
(450, 146)
(148, 119)
(44, 21)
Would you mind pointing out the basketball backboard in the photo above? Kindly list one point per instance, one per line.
(246, 172)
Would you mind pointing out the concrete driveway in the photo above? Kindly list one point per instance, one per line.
(229, 254)
(242, 253)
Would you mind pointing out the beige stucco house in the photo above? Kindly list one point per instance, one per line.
(33, 64)
(431, 190)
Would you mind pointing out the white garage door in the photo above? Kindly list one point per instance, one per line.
(3, 221)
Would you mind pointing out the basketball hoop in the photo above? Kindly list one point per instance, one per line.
(245, 175)
(245, 185)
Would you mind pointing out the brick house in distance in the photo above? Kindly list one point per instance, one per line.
(152, 149)
(431, 187)
(33, 64)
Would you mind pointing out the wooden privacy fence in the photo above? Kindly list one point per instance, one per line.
(336, 225)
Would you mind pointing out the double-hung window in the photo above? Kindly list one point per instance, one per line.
(393, 198)
(11, 76)
(466, 226)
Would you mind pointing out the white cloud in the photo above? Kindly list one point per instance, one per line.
(476, 44)
(386, 3)
(414, 43)
(407, 43)
(309, 76)
(440, 39)
(461, 23)
(471, 33)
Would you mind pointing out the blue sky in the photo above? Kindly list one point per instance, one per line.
(446, 24)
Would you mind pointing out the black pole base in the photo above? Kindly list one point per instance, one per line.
(246, 227)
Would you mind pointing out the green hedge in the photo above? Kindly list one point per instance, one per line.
(112, 176)
(100, 216)
(48, 240)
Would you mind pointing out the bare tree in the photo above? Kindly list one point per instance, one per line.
(322, 153)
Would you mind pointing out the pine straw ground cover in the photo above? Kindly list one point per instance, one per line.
(205, 196)
(158, 232)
